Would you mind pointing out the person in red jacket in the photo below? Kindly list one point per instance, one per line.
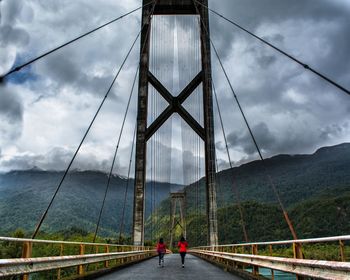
(182, 249)
(161, 250)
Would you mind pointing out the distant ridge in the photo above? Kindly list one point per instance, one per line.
(25, 193)
(298, 177)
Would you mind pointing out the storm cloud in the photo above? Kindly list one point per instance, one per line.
(45, 109)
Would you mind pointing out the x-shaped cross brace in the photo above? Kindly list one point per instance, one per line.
(175, 105)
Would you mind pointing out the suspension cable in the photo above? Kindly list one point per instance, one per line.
(83, 139)
(240, 208)
(17, 68)
(306, 66)
(121, 226)
(115, 155)
(289, 222)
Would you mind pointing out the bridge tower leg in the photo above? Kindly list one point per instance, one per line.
(177, 198)
(144, 132)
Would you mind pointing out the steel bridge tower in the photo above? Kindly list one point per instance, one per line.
(144, 132)
(178, 198)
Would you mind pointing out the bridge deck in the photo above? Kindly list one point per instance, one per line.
(194, 268)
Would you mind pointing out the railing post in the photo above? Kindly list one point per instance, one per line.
(59, 270)
(96, 265)
(255, 252)
(272, 271)
(298, 254)
(297, 251)
(107, 251)
(81, 252)
(26, 253)
(342, 251)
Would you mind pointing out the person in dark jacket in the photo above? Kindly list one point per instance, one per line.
(161, 250)
(182, 249)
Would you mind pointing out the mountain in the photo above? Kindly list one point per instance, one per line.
(317, 217)
(296, 177)
(314, 188)
(24, 195)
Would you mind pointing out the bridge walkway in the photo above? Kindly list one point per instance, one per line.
(195, 268)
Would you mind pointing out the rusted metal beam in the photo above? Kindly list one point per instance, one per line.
(210, 169)
(196, 127)
(186, 92)
(175, 7)
(160, 88)
(180, 198)
(175, 106)
(158, 122)
(141, 151)
(329, 270)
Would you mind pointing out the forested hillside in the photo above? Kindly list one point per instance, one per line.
(314, 188)
(24, 195)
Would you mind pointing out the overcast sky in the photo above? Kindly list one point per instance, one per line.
(46, 108)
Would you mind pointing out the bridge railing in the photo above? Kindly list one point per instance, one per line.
(64, 258)
(304, 257)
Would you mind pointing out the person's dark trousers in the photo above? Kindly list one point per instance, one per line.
(161, 257)
(183, 254)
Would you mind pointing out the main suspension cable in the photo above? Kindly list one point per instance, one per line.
(306, 66)
(17, 68)
(83, 139)
(115, 155)
(289, 222)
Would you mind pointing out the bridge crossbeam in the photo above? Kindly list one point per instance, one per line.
(175, 105)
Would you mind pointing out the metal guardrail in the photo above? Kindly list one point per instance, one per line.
(11, 267)
(329, 270)
(285, 242)
(81, 255)
(265, 254)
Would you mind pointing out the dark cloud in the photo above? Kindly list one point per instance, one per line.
(290, 110)
(244, 141)
(10, 35)
(57, 158)
(334, 131)
(20, 162)
(11, 107)
(11, 116)
(11, 10)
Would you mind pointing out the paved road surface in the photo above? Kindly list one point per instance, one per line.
(195, 269)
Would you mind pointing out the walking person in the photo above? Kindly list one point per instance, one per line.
(161, 250)
(182, 249)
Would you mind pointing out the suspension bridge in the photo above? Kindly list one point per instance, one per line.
(168, 97)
